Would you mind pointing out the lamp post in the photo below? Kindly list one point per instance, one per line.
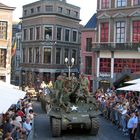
(69, 65)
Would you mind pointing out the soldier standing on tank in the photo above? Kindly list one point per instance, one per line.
(58, 87)
(73, 81)
(84, 82)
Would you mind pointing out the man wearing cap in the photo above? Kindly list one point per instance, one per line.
(132, 125)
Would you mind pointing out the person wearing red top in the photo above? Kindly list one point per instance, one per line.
(20, 113)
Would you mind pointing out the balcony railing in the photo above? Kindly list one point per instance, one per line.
(116, 46)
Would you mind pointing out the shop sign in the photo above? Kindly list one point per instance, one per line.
(105, 75)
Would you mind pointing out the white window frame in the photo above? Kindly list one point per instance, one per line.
(115, 30)
(116, 4)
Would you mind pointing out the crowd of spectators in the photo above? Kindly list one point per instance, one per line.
(118, 107)
(16, 123)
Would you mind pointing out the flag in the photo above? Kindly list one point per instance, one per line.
(13, 49)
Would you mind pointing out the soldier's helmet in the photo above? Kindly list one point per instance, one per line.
(73, 74)
(64, 74)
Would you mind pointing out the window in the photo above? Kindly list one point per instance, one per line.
(31, 33)
(74, 55)
(25, 12)
(136, 2)
(88, 65)
(105, 64)
(48, 33)
(24, 55)
(60, 9)
(75, 14)
(74, 36)
(121, 3)
(37, 33)
(67, 35)
(49, 8)
(38, 9)
(58, 55)
(3, 30)
(104, 32)
(68, 11)
(37, 55)
(126, 64)
(3, 58)
(18, 43)
(17, 61)
(88, 44)
(30, 55)
(32, 10)
(66, 54)
(120, 32)
(105, 4)
(47, 55)
(59, 33)
(136, 31)
(25, 34)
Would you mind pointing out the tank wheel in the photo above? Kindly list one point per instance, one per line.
(94, 126)
(56, 127)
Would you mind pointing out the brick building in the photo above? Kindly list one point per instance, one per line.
(5, 41)
(88, 34)
(117, 41)
(50, 33)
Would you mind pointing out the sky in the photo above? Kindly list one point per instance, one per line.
(86, 12)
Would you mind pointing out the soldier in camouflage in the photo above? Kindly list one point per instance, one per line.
(84, 82)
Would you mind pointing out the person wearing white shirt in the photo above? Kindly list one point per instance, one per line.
(132, 125)
(27, 126)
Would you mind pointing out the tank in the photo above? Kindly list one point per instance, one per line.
(79, 111)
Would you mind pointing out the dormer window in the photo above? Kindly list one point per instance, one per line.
(121, 3)
(105, 4)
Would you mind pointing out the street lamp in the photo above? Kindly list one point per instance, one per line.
(69, 65)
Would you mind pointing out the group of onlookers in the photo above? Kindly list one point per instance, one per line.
(123, 109)
(16, 123)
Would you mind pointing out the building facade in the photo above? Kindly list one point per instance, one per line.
(117, 40)
(50, 33)
(88, 35)
(5, 41)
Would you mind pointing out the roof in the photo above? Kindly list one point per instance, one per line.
(3, 6)
(92, 22)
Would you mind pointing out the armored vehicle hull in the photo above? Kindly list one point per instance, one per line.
(82, 115)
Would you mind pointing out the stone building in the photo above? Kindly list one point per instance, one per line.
(117, 41)
(5, 41)
(50, 33)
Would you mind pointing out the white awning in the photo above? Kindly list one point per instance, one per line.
(135, 87)
(9, 95)
(135, 81)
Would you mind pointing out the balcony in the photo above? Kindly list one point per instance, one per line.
(116, 47)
